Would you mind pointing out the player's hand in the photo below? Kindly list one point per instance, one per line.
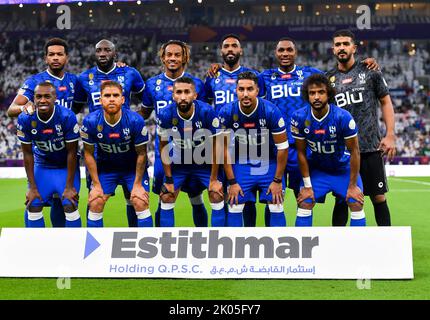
(139, 192)
(388, 146)
(371, 63)
(121, 64)
(31, 195)
(306, 193)
(355, 193)
(95, 193)
(28, 108)
(71, 194)
(213, 70)
(233, 193)
(275, 189)
(216, 186)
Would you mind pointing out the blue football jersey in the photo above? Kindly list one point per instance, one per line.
(284, 90)
(65, 86)
(89, 82)
(325, 137)
(222, 89)
(115, 143)
(253, 132)
(188, 135)
(49, 138)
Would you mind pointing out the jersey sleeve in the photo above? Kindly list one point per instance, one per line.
(147, 100)
(138, 85)
(140, 132)
(348, 125)
(22, 130)
(209, 90)
(380, 86)
(276, 122)
(225, 119)
(71, 130)
(200, 89)
(163, 124)
(80, 95)
(86, 132)
(261, 85)
(212, 122)
(296, 127)
(27, 89)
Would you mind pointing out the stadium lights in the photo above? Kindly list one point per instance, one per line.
(242, 11)
(327, 7)
(139, 2)
(80, 4)
(48, 4)
(171, 1)
(231, 1)
(118, 10)
(317, 13)
(267, 8)
(199, 1)
(350, 6)
(299, 8)
(111, 3)
(338, 6)
(283, 8)
(90, 11)
(394, 5)
(21, 5)
(34, 12)
(176, 9)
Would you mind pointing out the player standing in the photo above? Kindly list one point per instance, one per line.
(121, 137)
(259, 129)
(362, 92)
(192, 127)
(49, 139)
(88, 92)
(56, 58)
(328, 131)
(174, 56)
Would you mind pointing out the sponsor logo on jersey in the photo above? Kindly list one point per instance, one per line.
(48, 131)
(114, 135)
(170, 88)
(248, 125)
(286, 76)
(230, 81)
(62, 88)
(347, 80)
(319, 131)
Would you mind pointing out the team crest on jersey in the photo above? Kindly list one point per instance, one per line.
(199, 124)
(99, 128)
(332, 130)
(362, 77)
(158, 82)
(91, 77)
(126, 132)
(175, 121)
(300, 74)
(60, 129)
(33, 124)
(121, 80)
(262, 122)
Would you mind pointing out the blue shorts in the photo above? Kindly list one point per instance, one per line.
(110, 180)
(252, 179)
(190, 178)
(324, 182)
(292, 171)
(53, 181)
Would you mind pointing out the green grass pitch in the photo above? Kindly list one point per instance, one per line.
(408, 200)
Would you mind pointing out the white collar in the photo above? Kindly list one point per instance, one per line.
(279, 69)
(47, 70)
(52, 115)
(191, 118)
(175, 78)
(114, 67)
(233, 70)
(112, 125)
(248, 115)
(325, 116)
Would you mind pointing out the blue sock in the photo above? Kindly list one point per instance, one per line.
(58, 218)
(358, 219)
(35, 220)
(267, 216)
(131, 215)
(94, 220)
(26, 218)
(277, 216)
(144, 219)
(304, 218)
(235, 218)
(167, 216)
(200, 215)
(249, 214)
(218, 214)
(157, 215)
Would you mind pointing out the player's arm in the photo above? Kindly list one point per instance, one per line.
(214, 184)
(90, 162)
(77, 107)
(70, 192)
(145, 112)
(353, 190)
(213, 70)
(138, 190)
(20, 104)
(275, 187)
(371, 63)
(306, 192)
(388, 143)
(32, 192)
(165, 160)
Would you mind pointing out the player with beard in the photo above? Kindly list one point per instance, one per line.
(362, 92)
(328, 132)
(174, 56)
(56, 58)
(88, 92)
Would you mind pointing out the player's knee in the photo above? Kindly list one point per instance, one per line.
(306, 205)
(355, 206)
(126, 193)
(69, 208)
(236, 208)
(379, 198)
(97, 205)
(139, 205)
(196, 200)
(167, 198)
(35, 208)
(215, 197)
